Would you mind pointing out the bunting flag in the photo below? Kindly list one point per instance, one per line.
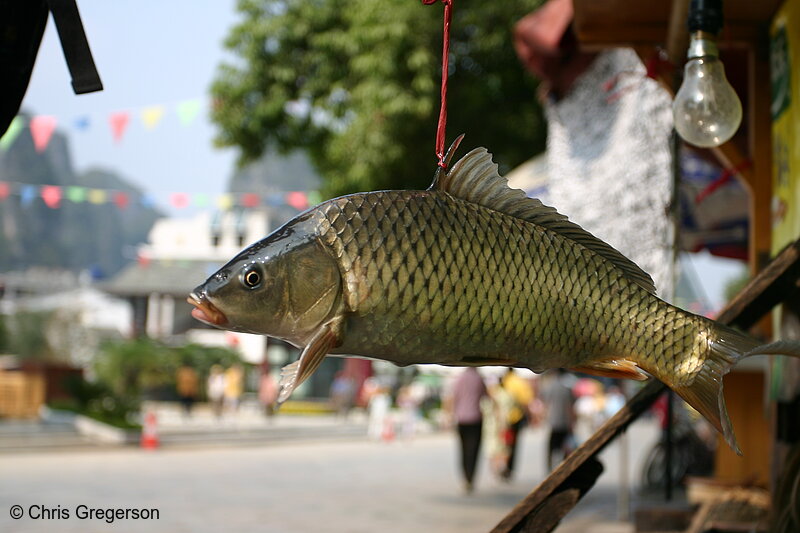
(119, 122)
(82, 123)
(11, 133)
(51, 194)
(225, 202)
(298, 200)
(179, 200)
(151, 116)
(54, 196)
(97, 196)
(42, 128)
(188, 111)
(121, 200)
(76, 195)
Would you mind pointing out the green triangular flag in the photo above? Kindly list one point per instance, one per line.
(76, 194)
(188, 110)
(11, 133)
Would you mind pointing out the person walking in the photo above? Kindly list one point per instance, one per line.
(557, 395)
(234, 387)
(187, 385)
(521, 393)
(468, 391)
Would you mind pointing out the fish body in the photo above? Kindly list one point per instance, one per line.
(467, 273)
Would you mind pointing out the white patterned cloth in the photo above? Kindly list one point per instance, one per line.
(609, 160)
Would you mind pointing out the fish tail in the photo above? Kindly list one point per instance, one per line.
(704, 392)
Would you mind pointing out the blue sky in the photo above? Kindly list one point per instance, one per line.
(148, 53)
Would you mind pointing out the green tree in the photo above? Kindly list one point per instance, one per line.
(28, 336)
(356, 84)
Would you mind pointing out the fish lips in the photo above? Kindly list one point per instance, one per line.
(205, 311)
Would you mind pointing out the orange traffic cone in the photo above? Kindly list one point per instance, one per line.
(150, 432)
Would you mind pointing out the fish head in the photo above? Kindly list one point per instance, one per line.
(284, 286)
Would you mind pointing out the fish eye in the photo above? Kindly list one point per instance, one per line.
(251, 277)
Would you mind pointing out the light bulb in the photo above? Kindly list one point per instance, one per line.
(706, 110)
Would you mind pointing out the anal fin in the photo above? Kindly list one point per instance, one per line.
(613, 368)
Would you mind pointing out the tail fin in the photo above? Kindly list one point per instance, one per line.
(727, 348)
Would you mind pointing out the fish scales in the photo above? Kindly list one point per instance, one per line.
(468, 272)
(456, 282)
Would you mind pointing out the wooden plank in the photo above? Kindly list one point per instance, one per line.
(548, 516)
(759, 296)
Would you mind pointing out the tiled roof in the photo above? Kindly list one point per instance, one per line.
(175, 277)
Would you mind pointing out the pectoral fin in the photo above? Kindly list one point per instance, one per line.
(327, 337)
(613, 368)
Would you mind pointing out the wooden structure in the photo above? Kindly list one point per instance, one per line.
(543, 509)
(21, 394)
(657, 29)
(744, 46)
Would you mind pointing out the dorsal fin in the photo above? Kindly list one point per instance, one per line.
(475, 178)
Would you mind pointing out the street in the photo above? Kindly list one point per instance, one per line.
(324, 486)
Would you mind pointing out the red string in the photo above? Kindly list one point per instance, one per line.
(725, 176)
(440, 130)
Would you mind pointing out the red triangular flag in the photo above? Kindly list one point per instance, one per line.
(51, 194)
(179, 200)
(121, 200)
(42, 128)
(297, 199)
(250, 199)
(119, 122)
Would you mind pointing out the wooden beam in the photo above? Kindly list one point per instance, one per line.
(760, 139)
(678, 32)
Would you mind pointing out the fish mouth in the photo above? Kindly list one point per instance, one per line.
(204, 310)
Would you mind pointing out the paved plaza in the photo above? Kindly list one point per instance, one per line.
(314, 486)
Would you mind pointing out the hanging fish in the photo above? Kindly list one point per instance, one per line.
(469, 272)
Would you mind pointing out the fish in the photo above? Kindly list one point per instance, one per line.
(469, 272)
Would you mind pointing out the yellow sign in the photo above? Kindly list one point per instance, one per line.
(785, 74)
(785, 108)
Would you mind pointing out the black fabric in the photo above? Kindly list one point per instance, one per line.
(22, 24)
(470, 437)
(85, 78)
(21, 28)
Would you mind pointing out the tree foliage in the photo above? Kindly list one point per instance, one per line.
(356, 84)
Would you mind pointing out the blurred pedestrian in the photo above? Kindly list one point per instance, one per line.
(557, 395)
(615, 401)
(465, 404)
(267, 390)
(234, 387)
(215, 389)
(187, 384)
(495, 425)
(521, 393)
(409, 401)
(343, 394)
(379, 423)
